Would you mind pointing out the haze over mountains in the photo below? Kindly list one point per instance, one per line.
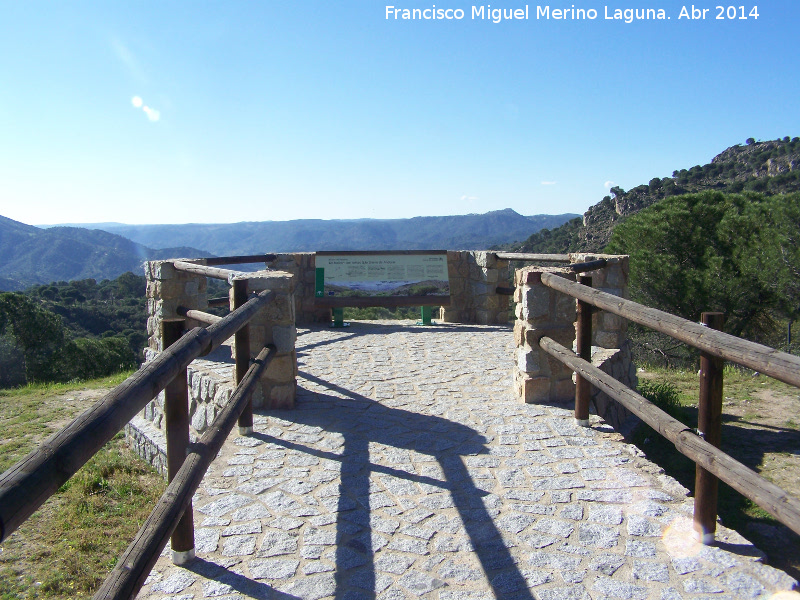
(464, 232)
(32, 255)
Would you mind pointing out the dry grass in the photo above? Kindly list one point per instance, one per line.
(69, 545)
(760, 429)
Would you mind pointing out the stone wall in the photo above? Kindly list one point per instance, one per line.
(211, 383)
(474, 277)
(543, 311)
(303, 266)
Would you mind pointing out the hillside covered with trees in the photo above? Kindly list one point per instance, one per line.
(71, 330)
(770, 167)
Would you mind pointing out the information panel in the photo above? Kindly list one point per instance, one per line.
(409, 273)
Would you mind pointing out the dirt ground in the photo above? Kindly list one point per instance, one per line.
(763, 432)
(761, 429)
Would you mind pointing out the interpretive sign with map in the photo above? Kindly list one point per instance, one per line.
(391, 273)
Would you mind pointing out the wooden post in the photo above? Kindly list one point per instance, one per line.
(242, 345)
(583, 335)
(176, 414)
(709, 427)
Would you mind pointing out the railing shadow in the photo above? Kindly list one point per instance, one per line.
(362, 421)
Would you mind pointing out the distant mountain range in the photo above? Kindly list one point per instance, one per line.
(34, 255)
(30, 255)
(769, 167)
(458, 232)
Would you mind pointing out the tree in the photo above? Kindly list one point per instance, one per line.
(750, 141)
(688, 256)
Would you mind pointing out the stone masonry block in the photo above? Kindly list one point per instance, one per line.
(281, 369)
(284, 337)
(608, 339)
(528, 360)
(535, 302)
(282, 396)
(531, 390)
(563, 389)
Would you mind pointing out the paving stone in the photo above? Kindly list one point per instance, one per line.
(206, 540)
(700, 586)
(607, 515)
(600, 536)
(554, 527)
(239, 545)
(249, 513)
(619, 589)
(607, 564)
(220, 507)
(313, 587)
(641, 526)
(420, 583)
(572, 592)
(420, 474)
(459, 572)
(640, 548)
(276, 543)
(175, 583)
(650, 571)
(243, 528)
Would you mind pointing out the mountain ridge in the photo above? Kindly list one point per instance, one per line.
(770, 167)
(32, 255)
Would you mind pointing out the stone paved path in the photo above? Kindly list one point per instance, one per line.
(409, 471)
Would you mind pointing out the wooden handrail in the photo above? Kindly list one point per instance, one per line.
(237, 260)
(221, 301)
(780, 365)
(213, 272)
(135, 564)
(767, 495)
(29, 483)
(198, 315)
(532, 257)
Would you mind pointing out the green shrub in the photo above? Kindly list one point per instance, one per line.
(663, 394)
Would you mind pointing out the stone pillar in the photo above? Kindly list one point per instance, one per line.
(167, 289)
(611, 351)
(474, 277)
(274, 324)
(608, 331)
(542, 311)
(303, 266)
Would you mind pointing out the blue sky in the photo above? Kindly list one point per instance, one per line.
(173, 112)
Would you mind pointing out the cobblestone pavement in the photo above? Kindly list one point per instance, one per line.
(408, 470)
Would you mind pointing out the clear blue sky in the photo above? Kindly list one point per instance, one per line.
(173, 112)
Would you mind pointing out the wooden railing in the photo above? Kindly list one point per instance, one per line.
(701, 446)
(29, 483)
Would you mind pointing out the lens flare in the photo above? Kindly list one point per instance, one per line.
(679, 539)
(151, 113)
(137, 101)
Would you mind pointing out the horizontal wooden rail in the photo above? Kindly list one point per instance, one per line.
(198, 315)
(135, 564)
(233, 321)
(767, 495)
(532, 257)
(237, 260)
(213, 272)
(221, 301)
(30, 482)
(763, 359)
(588, 266)
(386, 301)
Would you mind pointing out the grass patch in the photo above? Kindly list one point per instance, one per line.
(26, 414)
(748, 436)
(66, 549)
